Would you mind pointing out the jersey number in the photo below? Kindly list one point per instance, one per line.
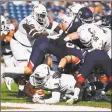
(70, 45)
(93, 35)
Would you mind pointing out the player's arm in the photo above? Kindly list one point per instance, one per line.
(71, 36)
(3, 34)
(68, 59)
(54, 99)
(30, 29)
(54, 26)
(49, 60)
(2, 37)
(10, 35)
(28, 89)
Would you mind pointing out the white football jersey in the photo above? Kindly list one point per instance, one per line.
(99, 37)
(108, 36)
(21, 34)
(52, 83)
(65, 83)
(6, 47)
(66, 19)
(7, 28)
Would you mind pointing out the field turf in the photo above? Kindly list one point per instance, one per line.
(10, 96)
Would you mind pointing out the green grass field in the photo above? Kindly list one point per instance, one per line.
(10, 96)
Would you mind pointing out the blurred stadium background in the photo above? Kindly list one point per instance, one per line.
(20, 9)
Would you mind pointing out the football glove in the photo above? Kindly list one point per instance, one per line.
(37, 99)
(58, 73)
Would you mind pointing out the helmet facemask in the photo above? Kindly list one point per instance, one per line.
(40, 78)
(85, 17)
(89, 20)
(41, 17)
(39, 13)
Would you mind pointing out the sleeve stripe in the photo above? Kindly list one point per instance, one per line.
(34, 34)
(31, 30)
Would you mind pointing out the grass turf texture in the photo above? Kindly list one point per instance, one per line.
(10, 96)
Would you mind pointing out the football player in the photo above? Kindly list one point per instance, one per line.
(83, 16)
(43, 78)
(106, 21)
(67, 18)
(31, 27)
(95, 37)
(98, 41)
(7, 32)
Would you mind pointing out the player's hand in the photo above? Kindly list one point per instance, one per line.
(41, 101)
(67, 39)
(36, 99)
(56, 75)
(53, 36)
(44, 33)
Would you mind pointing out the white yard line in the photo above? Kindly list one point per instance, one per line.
(46, 107)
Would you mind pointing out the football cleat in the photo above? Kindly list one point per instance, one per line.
(101, 98)
(72, 100)
(20, 94)
(105, 98)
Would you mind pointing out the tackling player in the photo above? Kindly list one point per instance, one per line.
(97, 39)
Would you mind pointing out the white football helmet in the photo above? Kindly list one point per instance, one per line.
(85, 34)
(39, 13)
(72, 10)
(3, 23)
(40, 75)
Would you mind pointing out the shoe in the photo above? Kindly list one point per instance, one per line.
(72, 100)
(20, 94)
(105, 98)
(8, 82)
(101, 98)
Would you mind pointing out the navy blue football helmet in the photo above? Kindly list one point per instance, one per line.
(85, 15)
(107, 21)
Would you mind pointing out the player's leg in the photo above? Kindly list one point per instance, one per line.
(93, 58)
(106, 64)
(9, 63)
(73, 56)
(21, 54)
(38, 53)
(22, 80)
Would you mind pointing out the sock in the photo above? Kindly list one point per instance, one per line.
(21, 87)
(16, 70)
(76, 92)
(80, 78)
